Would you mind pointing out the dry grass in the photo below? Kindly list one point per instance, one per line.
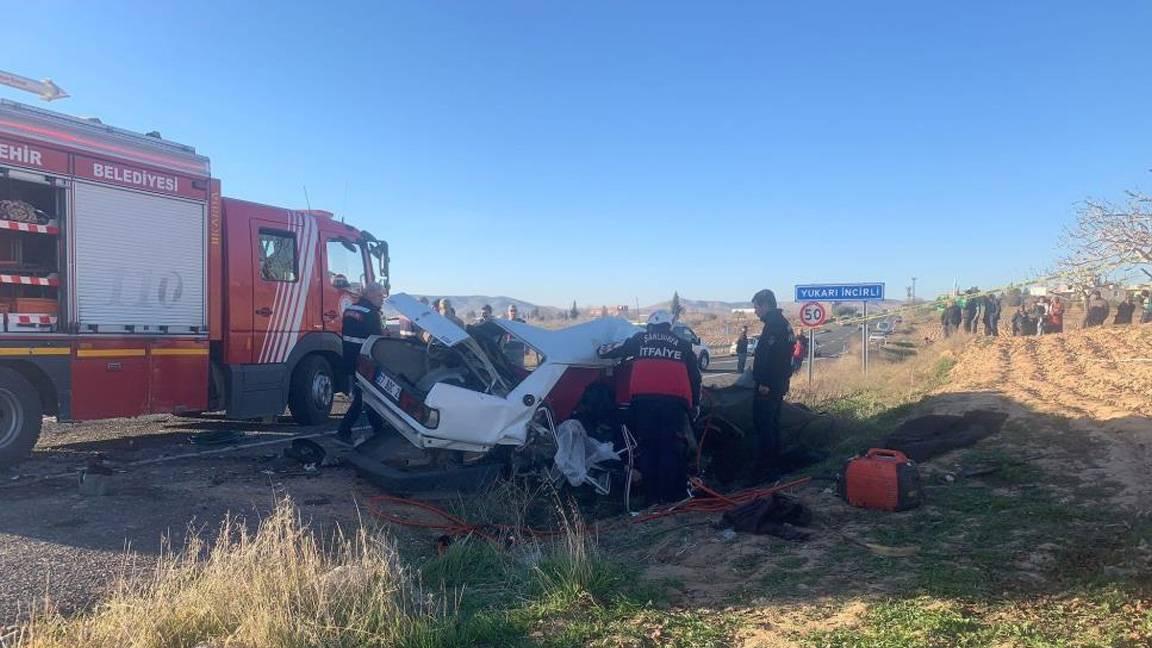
(283, 586)
(896, 375)
(279, 586)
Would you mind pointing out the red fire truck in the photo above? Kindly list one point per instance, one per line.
(129, 285)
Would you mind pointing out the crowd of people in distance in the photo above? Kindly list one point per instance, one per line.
(1040, 315)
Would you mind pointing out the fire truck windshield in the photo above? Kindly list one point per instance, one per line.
(347, 269)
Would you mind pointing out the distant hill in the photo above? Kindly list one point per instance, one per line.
(465, 304)
(700, 305)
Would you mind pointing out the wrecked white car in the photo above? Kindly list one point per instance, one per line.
(495, 384)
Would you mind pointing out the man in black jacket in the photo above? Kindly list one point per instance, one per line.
(361, 321)
(991, 315)
(772, 370)
(742, 350)
(950, 318)
(971, 311)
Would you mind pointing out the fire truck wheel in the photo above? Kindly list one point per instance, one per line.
(310, 394)
(20, 417)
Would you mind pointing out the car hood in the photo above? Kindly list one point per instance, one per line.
(575, 345)
(422, 315)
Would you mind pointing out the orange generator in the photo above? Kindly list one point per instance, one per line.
(884, 480)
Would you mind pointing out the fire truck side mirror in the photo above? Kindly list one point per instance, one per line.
(382, 253)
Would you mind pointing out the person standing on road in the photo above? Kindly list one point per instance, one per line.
(742, 350)
(663, 387)
(1146, 316)
(991, 315)
(361, 321)
(772, 370)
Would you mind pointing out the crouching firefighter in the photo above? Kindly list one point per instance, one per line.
(361, 321)
(663, 388)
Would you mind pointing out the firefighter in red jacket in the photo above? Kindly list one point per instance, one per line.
(664, 388)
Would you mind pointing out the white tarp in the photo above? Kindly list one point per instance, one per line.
(577, 455)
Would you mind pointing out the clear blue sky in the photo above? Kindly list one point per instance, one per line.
(613, 151)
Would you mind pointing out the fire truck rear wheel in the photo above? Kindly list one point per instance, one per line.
(21, 414)
(311, 391)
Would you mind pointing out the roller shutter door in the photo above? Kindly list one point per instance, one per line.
(139, 261)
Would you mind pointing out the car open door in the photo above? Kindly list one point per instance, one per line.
(422, 315)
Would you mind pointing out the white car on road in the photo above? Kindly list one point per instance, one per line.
(703, 354)
(751, 345)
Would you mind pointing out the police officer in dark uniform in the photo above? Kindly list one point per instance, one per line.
(742, 350)
(663, 387)
(361, 321)
(772, 370)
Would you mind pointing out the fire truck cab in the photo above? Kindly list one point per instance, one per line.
(129, 285)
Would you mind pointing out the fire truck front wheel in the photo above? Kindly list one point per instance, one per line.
(310, 394)
(20, 417)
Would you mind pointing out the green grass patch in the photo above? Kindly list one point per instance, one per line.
(897, 352)
(942, 368)
(563, 593)
(1095, 617)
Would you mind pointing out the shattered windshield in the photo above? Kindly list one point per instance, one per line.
(482, 365)
(510, 356)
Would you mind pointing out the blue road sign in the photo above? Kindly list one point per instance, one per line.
(840, 292)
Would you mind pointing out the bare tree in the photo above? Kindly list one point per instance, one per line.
(1107, 237)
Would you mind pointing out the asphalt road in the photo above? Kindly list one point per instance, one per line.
(832, 344)
(60, 541)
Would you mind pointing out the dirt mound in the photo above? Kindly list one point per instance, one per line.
(1103, 373)
(1099, 380)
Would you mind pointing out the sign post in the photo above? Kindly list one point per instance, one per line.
(861, 292)
(812, 314)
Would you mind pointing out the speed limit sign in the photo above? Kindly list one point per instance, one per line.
(813, 314)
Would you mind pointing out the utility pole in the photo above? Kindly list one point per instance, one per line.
(47, 90)
(914, 289)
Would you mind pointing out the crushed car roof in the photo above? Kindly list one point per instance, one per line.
(575, 345)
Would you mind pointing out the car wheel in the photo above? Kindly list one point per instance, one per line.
(21, 414)
(704, 361)
(311, 390)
